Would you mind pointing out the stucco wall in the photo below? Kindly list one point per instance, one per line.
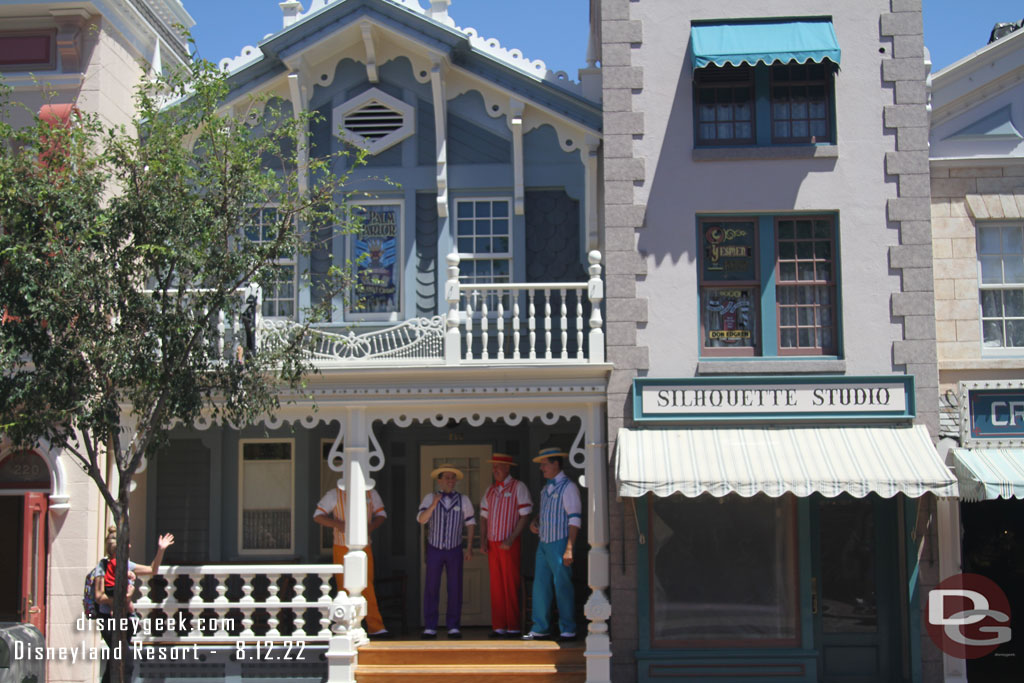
(875, 179)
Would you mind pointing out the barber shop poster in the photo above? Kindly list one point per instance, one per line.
(377, 259)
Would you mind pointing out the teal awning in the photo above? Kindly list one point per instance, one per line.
(989, 473)
(769, 41)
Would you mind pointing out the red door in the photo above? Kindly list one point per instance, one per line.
(33, 561)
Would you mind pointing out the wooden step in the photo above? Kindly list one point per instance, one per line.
(471, 661)
(534, 673)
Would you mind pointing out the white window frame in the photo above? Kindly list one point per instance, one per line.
(242, 443)
(996, 351)
(475, 256)
(350, 314)
(291, 262)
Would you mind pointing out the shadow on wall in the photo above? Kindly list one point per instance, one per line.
(681, 188)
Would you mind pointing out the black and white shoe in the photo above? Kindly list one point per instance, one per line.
(537, 636)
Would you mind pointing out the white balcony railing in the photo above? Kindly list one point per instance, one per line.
(554, 322)
(230, 603)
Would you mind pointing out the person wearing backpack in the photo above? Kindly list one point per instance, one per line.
(103, 589)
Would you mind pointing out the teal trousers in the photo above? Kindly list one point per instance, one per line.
(552, 582)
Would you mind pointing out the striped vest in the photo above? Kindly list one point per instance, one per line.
(444, 530)
(554, 520)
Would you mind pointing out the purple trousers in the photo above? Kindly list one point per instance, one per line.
(451, 562)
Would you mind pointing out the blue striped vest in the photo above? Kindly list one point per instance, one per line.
(554, 520)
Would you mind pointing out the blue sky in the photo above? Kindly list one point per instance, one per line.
(556, 30)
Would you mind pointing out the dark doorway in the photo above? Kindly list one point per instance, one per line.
(993, 534)
(11, 508)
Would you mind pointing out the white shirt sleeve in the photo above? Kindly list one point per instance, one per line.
(524, 502)
(467, 508)
(327, 503)
(377, 505)
(427, 500)
(483, 503)
(572, 504)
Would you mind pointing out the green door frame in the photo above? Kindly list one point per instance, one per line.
(884, 641)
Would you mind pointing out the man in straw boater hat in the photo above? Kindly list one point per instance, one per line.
(504, 512)
(330, 512)
(558, 524)
(445, 512)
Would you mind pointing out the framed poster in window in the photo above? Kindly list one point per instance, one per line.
(376, 253)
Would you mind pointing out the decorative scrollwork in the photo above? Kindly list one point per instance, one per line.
(415, 339)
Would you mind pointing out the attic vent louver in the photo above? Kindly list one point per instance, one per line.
(374, 120)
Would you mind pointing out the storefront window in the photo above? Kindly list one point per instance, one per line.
(723, 571)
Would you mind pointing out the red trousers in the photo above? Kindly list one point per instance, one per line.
(506, 580)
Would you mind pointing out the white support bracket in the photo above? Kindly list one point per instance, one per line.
(515, 122)
(441, 135)
(298, 95)
(371, 52)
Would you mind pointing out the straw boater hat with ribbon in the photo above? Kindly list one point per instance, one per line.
(546, 453)
(446, 468)
(503, 459)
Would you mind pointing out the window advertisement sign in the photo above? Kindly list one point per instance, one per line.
(376, 255)
(726, 316)
(729, 251)
(992, 413)
(729, 297)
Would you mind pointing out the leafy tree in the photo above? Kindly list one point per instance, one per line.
(122, 252)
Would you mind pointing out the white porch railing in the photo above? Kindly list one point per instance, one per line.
(230, 603)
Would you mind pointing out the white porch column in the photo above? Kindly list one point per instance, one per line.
(356, 461)
(598, 608)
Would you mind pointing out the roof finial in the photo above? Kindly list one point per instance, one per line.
(439, 11)
(291, 10)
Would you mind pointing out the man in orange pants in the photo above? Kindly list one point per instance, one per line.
(504, 512)
(330, 512)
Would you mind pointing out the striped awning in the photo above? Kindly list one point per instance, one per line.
(802, 460)
(989, 473)
(763, 41)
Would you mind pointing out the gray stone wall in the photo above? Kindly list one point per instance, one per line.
(903, 76)
(623, 218)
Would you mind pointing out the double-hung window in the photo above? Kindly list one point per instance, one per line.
(1001, 285)
(279, 299)
(484, 240)
(764, 82)
(768, 286)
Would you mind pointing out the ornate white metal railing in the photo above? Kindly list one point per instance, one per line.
(419, 339)
(229, 603)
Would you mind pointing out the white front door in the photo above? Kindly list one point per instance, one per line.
(473, 460)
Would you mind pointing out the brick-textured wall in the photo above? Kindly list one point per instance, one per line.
(962, 196)
(623, 171)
